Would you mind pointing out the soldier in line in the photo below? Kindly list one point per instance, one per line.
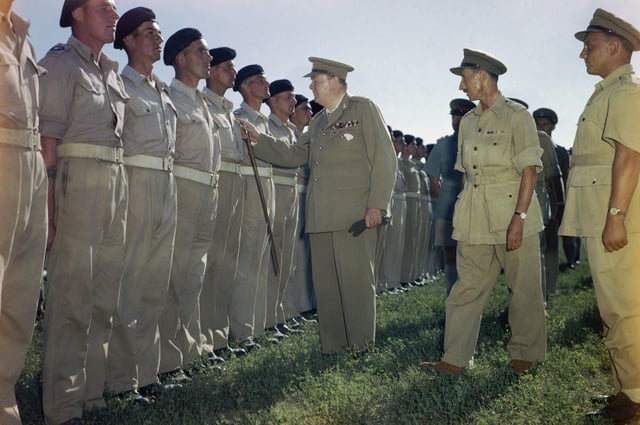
(412, 217)
(23, 200)
(82, 101)
(424, 257)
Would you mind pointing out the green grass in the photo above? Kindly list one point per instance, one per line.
(293, 383)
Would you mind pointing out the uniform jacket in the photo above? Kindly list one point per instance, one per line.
(351, 159)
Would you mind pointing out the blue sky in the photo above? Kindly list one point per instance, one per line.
(402, 50)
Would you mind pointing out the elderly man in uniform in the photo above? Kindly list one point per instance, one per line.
(81, 120)
(149, 146)
(223, 255)
(496, 221)
(603, 200)
(352, 170)
(23, 220)
(446, 182)
(197, 160)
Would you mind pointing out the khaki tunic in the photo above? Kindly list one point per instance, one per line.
(149, 129)
(412, 220)
(610, 115)
(23, 198)
(82, 102)
(352, 167)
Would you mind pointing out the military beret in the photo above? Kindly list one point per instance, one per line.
(67, 9)
(408, 139)
(221, 54)
(477, 59)
(326, 66)
(397, 133)
(246, 72)
(459, 107)
(315, 107)
(178, 41)
(609, 23)
(522, 102)
(301, 99)
(279, 86)
(419, 141)
(546, 113)
(129, 22)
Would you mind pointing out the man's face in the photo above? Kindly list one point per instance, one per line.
(98, 19)
(596, 53)
(545, 124)
(410, 148)
(146, 41)
(224, 73)
(470, 83)
(302, 114)
(283, 104)
(320, 87)
(196, 59)
(257, 87)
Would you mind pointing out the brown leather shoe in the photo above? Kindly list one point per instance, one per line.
(620, 409)
(442, 367)
(521, 366)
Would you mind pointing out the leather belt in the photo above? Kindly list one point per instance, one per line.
(198, 176)
(88, 151)
(150, 162)
(25, 138)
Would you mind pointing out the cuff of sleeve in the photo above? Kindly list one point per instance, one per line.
(52, 129)
(528, 157)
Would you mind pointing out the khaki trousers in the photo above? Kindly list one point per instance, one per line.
(179, 324)
(222, 260)
(616, 277)
(344, 283)
(23, 232)
(478, 268)
(394, 245)
(410, 238)
(84, 271)
(423, 251)
(134, 349)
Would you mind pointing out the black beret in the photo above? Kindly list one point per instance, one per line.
(128, 23)
(221, 54)
(67, 9)
(300, 99)
(279, 86)
(408, 139)
(246, 72)
(419, 141)
(459, 107)
(397, 133)
(546, 113)
(522, 102)
(315, 107)
(178, 42)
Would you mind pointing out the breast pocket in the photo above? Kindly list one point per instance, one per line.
(147, 124)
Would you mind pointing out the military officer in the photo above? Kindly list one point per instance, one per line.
(149, 147)
(603, 200)
(447, 183)
(81, 119)
(412, 218)
(23, 219)
(496, 220)
(352, 170)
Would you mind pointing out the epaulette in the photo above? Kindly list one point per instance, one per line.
(360, 99)
(514, 105)
(58, 49)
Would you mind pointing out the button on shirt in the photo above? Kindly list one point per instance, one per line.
(494, 146)
(81, 100)
(231, 144)
(197, 141)
(259, 120)
(150, 119)
(19, 74)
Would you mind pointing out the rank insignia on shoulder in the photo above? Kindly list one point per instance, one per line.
(344, 124)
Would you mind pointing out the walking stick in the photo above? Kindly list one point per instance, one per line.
(265, 210)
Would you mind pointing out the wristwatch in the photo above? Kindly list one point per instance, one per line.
(522, 215)
(615, 211)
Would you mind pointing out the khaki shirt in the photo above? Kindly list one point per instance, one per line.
(19, 74)
(494, 146)
(259, 120)
(411, 175)
(221, 110)
(81, 100)
(284, 131)
(150, 118)
(612, 114)
(401, 184)
(197, 140)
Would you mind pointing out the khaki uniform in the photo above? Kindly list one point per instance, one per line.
(493, 148)
(84, 108)
(222, 258)
(412, 220)
(285, 221)
(149, 146)
(352, 167)
(23, 200)
(391, 269)
(196, 167)
(423, 252)
(248, 309)
(611, 115)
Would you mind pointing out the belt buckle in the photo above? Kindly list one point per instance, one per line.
(118, 154)
(167, 164)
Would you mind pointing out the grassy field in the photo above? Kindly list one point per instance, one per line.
(293, 383)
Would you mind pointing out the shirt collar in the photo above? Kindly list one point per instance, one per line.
(220, 101)
(252, 113)
(181, 87)
(614, 76)
(85, 52)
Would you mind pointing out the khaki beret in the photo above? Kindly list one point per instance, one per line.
(477, 59)
(326, 66)
(67, 9)
(609, 23)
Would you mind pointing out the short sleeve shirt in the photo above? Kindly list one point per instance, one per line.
(256, 118)
(284, 131)
(221, 110)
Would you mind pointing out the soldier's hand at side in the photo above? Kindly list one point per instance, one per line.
(515, 232)
(372, 217)
(614, 235)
